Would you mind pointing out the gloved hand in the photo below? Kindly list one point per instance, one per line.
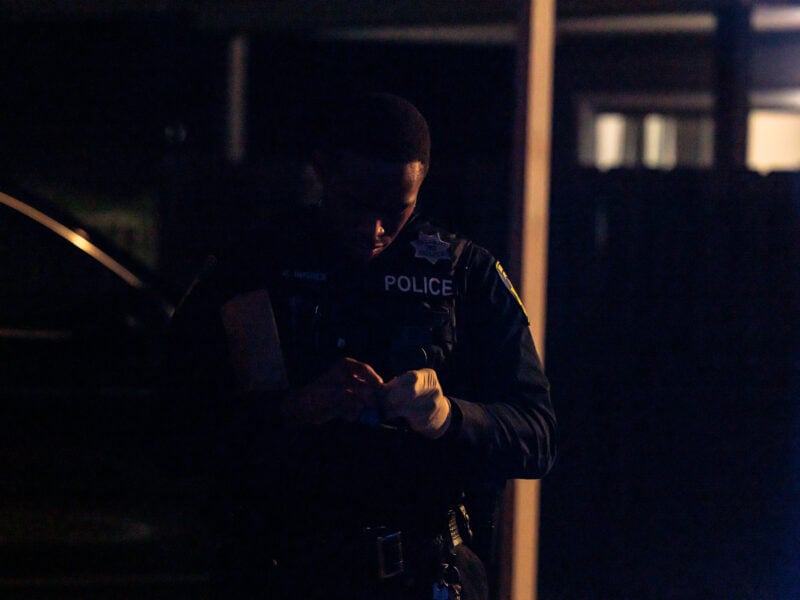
(416, 398)
(343, 392)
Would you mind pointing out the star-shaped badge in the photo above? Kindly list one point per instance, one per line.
(431, 247)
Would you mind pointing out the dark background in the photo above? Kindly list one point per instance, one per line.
(671, 335)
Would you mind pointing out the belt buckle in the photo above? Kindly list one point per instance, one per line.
(389, 547)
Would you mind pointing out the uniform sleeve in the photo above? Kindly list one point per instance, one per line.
(503, 418)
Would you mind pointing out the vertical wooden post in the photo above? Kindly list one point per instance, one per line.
(528, 264)
(236, 130)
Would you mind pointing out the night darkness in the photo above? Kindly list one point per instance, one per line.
(672, 333)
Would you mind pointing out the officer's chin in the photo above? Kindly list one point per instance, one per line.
(364, 252)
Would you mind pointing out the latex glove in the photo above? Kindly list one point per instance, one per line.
(416, 398)
(343, 393)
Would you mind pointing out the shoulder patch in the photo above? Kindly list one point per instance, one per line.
(431, 247)
(510, 287)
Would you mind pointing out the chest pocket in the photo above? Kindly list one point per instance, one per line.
(424, 337)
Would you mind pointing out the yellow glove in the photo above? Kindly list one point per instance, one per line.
(416, 398)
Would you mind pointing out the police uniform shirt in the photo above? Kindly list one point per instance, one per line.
(431, 299)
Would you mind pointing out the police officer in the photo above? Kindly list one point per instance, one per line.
(369, 380)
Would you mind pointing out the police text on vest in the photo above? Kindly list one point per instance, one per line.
(415, 284)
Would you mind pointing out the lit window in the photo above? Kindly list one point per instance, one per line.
(609, 140)
(660, 142)
(773, 140)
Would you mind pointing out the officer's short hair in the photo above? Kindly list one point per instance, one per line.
(377, 125)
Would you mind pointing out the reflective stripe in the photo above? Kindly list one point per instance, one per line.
(510, 287)
(80, 241)
(254, 343)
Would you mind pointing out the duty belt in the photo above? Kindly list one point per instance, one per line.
(380, 553)
(454, 524)
(388, 548)
(388, 543)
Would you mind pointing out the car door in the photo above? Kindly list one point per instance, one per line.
(79, 341)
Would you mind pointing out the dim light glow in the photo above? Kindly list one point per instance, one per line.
(497, 34)
(775, 18)
(35, 334)
(638, 24)
(763, 18)
(660, 140)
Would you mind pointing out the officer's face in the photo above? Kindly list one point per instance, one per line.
(368, 202)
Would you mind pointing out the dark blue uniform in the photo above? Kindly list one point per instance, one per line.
(431, 299)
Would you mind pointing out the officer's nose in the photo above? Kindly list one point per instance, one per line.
(372, 227)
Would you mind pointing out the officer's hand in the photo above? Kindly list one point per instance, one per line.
(343, 392)
(416, 397)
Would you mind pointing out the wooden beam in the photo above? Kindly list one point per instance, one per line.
(528, 252)
(310, 14)
(251, 15)
(574, 8)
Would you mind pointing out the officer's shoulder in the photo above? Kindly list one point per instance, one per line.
(488, 274)
(473, 254)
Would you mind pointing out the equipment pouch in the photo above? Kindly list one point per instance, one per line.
(424, 339)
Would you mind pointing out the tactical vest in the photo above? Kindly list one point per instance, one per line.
(396, 313)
